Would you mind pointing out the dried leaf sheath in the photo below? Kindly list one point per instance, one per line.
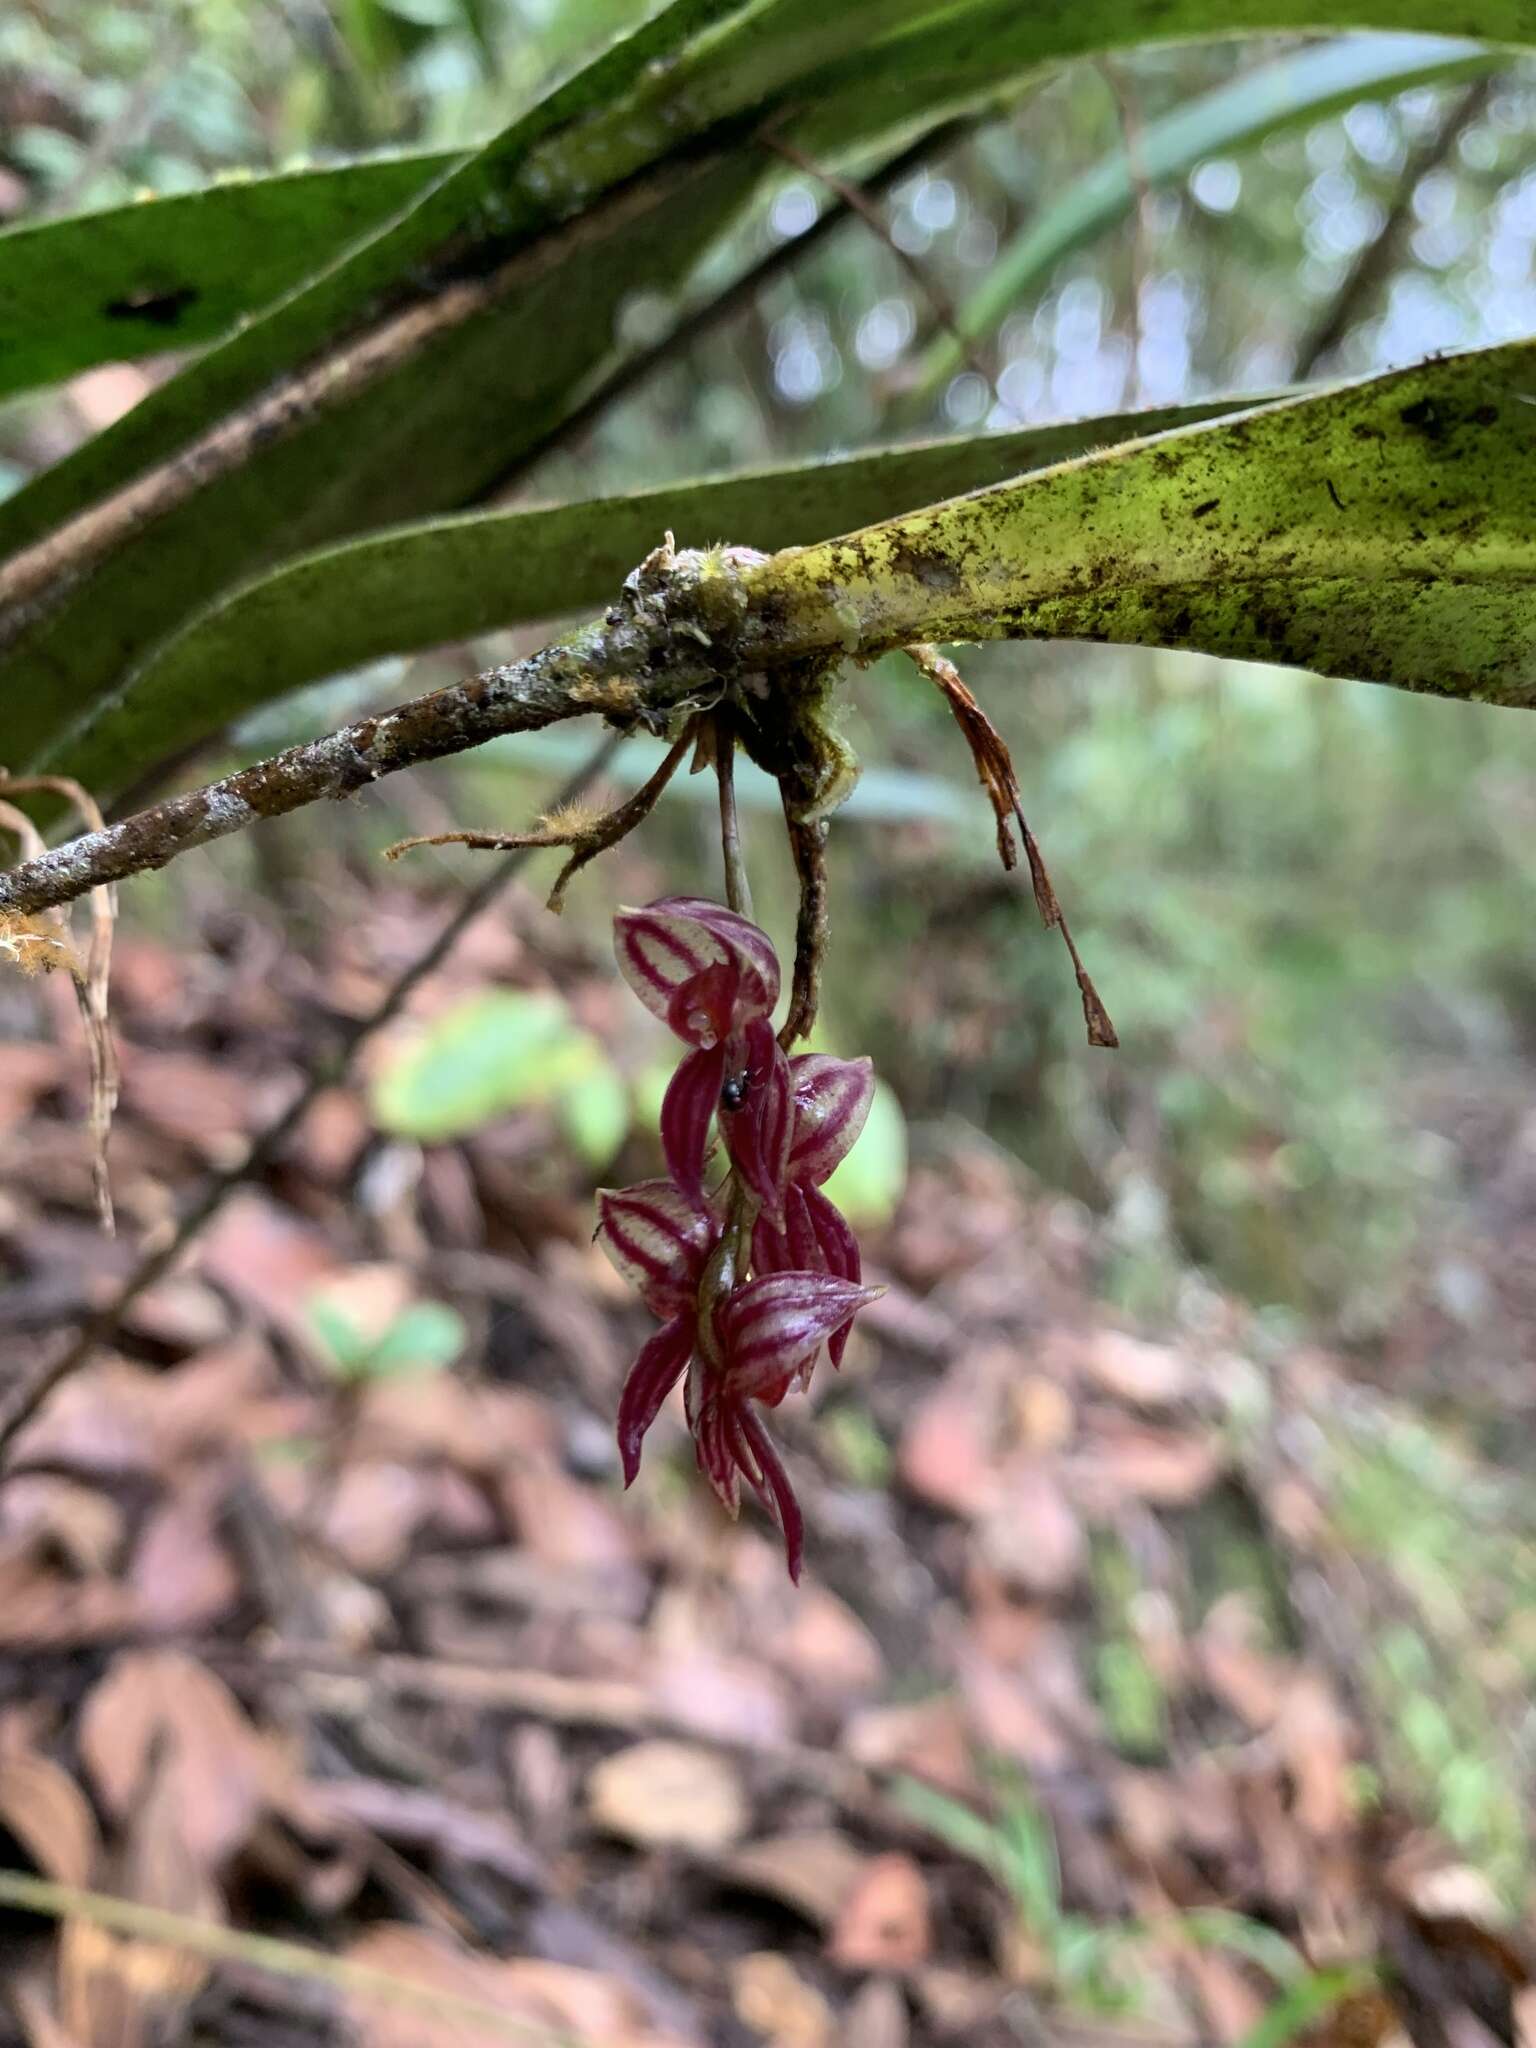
(995, 772)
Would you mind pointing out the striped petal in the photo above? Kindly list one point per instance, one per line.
(774, 1326)
(699, 967)
(757, 1457)
(686, 1109)
(707, 1418)
(757, 1135)
(658, 1240)
(832, 1099)
(651, 1378)
(837, 1252)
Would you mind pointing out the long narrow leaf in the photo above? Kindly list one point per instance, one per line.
(1384, 530)
(165, 273)
(449, 579)
(701, 76)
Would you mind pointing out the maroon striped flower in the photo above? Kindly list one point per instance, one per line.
(713, 978)
(763, 1338)
(660, 1242)
(745, 1349)
(831, 1101)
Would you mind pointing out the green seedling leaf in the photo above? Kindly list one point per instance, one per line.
(870, 1182)
(498, 1051)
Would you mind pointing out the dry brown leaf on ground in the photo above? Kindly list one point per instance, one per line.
(946, 1455)
(1319, 1745)
(1030, 1536)
(826, 1648)
(723, 1699)
(48, 1815)
(29, 1070)
(929, 1739)
(813, 1872)
(543, 2005)
(1146, 1375)
(266, 1257)
(1123, 1458)
(118, 1991)
(182, 1575)
(669, 1795)
(876, 2017)
(1009, 1716)
(221, 1770)
(41, 1609)
(885, 1923)
(774, 2000)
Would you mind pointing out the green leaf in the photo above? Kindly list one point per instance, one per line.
(426, 436)
(1384, 530)
(166, 273)
(1302, 86)
(426, 1337)
(594, 1113)
(672, 113)
(449, 579)
(489, 1054)
(870, 1181)
(1306, 2002)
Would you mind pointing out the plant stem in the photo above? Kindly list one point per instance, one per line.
(738, 891)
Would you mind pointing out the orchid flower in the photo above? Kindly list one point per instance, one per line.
(712, 977)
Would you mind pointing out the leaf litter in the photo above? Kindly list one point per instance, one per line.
(1125, 1712)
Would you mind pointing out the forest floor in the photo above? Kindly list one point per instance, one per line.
(1154, 1687)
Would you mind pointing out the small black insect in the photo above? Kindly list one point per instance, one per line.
(733, 1092)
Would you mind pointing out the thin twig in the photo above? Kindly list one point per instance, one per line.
(22, 1401)
(1373, 264)
(136, 1922)
(39, 577)
(587, 671)
(942, 305)
(577, 830)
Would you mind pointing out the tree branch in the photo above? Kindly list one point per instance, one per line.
(635, 665)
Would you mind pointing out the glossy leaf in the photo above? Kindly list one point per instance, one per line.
(170, 272)
(452, 578)
(430, 435)
(1384, 530)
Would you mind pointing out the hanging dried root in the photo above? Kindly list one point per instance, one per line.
(808, 843)
(44, 943)
(572, 825)
(995, 771)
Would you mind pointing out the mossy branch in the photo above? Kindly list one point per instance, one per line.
(1380, 530)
